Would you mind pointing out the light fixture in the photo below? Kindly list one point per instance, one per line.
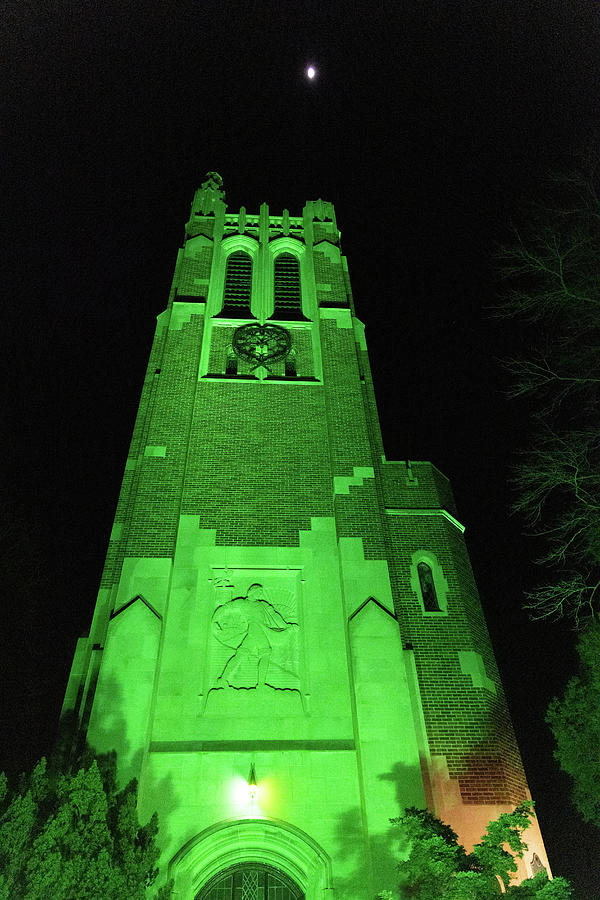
(252, 788)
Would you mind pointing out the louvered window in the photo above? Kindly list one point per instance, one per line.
(238, 280)
(287, 283)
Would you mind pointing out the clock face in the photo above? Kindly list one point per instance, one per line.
(261, 344)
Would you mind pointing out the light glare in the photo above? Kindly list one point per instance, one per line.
(311, 72)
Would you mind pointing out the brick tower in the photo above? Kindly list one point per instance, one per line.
(288, 646)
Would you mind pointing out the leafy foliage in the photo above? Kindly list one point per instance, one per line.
(73, 836)
(434, 856)
(437, 867)
(575, 722)
(541, 888)
(550, 272)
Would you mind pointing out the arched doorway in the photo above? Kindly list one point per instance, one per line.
(251, 881)
(268, 845)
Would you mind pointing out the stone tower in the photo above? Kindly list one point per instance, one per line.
(288, 646)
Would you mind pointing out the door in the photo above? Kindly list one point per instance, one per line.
(251, 881)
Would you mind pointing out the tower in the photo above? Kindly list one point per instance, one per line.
(288, 646)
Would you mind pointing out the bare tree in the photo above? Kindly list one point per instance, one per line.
(551, 277)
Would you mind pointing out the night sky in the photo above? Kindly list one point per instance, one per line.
(429, 126)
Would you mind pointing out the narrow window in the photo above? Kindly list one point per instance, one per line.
(238, 283)
(231, 364)
(288, 297)
(427, 584)
(290, 364)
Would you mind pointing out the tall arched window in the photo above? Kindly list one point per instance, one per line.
(287, 292)
(238, 284)
(427, 585)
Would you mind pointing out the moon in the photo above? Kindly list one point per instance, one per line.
(311, 73)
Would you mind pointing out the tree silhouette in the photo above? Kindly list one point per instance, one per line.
(72, 835)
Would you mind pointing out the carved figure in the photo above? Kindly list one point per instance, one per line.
(213, 181)
(264, 643)
(537, 865)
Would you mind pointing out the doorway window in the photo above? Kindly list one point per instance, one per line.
(251, 881)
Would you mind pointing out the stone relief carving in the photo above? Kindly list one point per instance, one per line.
(259, 642)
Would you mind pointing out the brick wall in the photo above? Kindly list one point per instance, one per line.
(468, 725)
(258, 463)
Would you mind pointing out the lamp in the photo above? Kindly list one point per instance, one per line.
(252, 787)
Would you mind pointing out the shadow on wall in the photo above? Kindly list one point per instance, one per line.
(486, 765)
(371, 865)
(106, 734)
(408, 782)
(73, 751)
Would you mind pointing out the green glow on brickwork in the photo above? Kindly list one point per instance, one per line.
(342, 484)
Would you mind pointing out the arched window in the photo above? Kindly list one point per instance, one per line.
(251, 881)
(238, 284)
(287, 292)
(427, 585)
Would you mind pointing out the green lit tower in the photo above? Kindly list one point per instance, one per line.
(288, 646)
